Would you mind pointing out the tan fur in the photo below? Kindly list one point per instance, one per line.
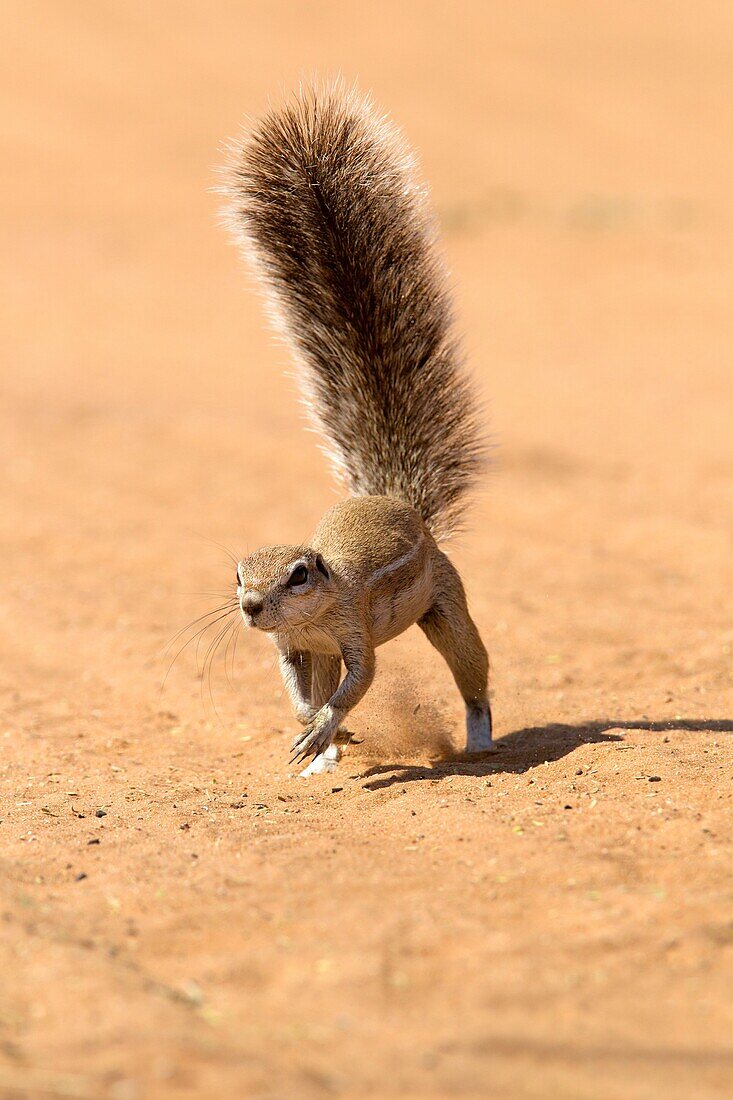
(386, 572)
(323, 195)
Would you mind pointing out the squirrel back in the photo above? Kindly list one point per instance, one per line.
(323, 197)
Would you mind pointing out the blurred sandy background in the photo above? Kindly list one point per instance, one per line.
(548, 924)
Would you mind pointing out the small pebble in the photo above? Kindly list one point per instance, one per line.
(80, 876)
(335, 790)
(655, 779)
(101, 813)
(94, 840)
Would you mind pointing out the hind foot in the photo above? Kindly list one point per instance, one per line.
(479, 736)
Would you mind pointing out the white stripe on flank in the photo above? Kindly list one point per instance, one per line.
(391, 566)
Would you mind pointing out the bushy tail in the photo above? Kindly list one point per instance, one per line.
(323, 196)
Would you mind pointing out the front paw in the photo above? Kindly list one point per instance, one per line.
(341, 737)
(317, 736)
(323, 764)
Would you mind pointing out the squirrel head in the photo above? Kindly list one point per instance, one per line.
(283, 588)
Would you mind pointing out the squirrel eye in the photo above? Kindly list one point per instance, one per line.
(298, 576)
(238, 580)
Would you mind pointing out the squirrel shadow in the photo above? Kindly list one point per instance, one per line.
(529, 748)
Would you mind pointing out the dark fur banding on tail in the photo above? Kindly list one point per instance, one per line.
(323, 195)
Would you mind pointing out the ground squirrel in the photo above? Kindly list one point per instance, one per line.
(322, 195)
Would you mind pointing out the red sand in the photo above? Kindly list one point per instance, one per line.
(550, 924)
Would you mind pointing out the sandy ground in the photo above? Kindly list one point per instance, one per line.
(181, 916)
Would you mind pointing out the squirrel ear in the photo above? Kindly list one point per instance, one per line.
(322, 567)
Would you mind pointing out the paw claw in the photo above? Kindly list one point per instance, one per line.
(315, 738)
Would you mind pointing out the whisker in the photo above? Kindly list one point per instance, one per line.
(230, 604)
(208, 665)
(232, 635)
(237, 636)
(226, 595)
(202, 673)
(232, 638)
(199, 633)
(202, 634)
(225, 549)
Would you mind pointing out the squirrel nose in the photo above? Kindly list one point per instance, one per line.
(252, 602)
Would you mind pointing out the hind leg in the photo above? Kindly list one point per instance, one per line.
(452, 631)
